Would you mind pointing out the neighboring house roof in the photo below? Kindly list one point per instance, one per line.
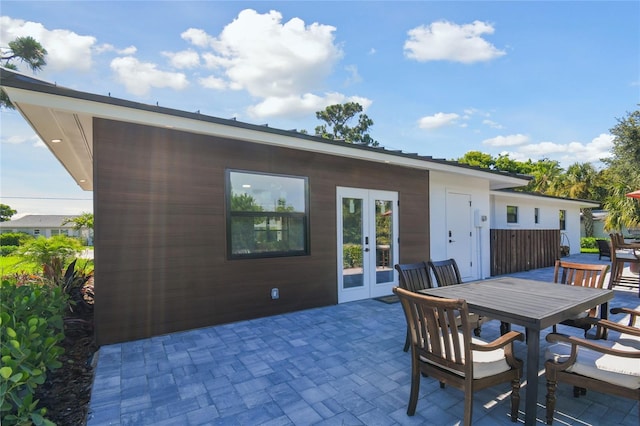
(38, 221)
(520, 194)
(63, 118)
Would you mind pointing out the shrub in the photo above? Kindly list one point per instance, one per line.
(31, 326)
(14, 238)
(7, 250)
(352, 256)
(588, 242)
(53, 253)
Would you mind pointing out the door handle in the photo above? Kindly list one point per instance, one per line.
(452, 241)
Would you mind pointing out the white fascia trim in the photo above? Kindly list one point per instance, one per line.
(158, 119)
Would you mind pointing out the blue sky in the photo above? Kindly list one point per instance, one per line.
(532, 79)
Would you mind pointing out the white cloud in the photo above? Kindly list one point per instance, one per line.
(354, 75)
(65, 49)
(492, 124)
(106, 47)
(213, 82)
(303, 105)
(139, 77)
(509, 140)
(197, 37)
(268, 58)
(437, 120)
(572, 152)
(184, 59)
(446, 41)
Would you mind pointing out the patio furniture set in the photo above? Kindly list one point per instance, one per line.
(441, 316)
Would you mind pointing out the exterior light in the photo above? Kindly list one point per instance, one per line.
(56, 140)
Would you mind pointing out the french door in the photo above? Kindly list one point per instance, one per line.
(367, 243)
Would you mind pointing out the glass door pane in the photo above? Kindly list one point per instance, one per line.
(352, 243)
(384, 241)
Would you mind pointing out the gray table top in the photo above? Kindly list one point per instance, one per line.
(530, 303)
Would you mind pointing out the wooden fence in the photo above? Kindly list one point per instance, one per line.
(522, 250)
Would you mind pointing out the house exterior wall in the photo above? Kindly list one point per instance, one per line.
(160, 239)
(549, 216)
(442, 183)
(42, 231)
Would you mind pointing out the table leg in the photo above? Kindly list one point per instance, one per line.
(533, 356)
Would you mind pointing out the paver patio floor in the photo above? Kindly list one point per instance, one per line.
(336, 365)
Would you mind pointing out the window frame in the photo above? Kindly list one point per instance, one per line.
(509, 222)
(562, 218)
(230, 215)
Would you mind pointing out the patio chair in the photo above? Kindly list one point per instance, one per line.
(604, 249)
(441, 350)
(607, 366)
(583, 275)
(447, 273)
(413, 277)
(622, 253)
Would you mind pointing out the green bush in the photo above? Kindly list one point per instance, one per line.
(352, 256)
(53, 253)
(7, 250)
(588, 242)
(14, 238)
(31, 326)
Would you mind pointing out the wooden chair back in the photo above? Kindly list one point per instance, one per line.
(580, 274)
(433, 327)
(443, 351)
(446, 272)
(414, 276)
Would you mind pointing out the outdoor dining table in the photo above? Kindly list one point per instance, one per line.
(533, 304)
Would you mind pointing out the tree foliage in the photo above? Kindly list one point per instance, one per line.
(336, 118)
(25, 50)
(6, 212)
(623, 173)
(84, 221)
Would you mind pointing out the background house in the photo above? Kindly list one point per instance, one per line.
(201, 220)
(40, 225)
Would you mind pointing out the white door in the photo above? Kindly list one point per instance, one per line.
(367, 243)
(459, 237)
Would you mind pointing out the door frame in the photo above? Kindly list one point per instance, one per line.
(370, 288)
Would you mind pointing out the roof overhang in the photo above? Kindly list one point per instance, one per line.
(583, 204)
(63, 119)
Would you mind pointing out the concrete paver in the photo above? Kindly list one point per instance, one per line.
(340, 364)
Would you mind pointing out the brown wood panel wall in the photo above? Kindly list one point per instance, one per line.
(160, 235)
(515, 250)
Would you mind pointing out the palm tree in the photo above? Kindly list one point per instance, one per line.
(26, 50)
(581, 180)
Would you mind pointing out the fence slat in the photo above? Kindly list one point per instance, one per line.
(516, 250)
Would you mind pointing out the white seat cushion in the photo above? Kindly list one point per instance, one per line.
(608, 368)
(485, 364)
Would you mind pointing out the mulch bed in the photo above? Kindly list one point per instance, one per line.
(67, 391)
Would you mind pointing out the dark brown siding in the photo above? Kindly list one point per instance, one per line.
(160, 239)
(515, 250)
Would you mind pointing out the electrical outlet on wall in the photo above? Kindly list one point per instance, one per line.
(275, 293)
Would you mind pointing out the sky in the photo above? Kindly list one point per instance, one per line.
(534, 80)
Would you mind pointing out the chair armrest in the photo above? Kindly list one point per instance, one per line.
(605, 324)
(634, 314)
(500, 342)
(576, 342)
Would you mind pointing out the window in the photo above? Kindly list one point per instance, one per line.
(563, 220)
(267, 215)
(536, 215)
(512, 214)
(36, 232)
